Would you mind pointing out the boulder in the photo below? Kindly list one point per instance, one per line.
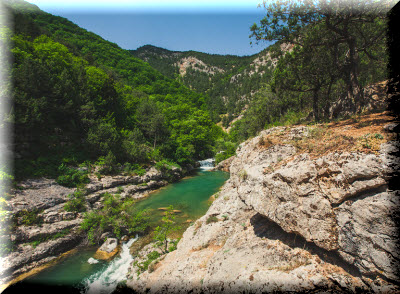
(108, 250)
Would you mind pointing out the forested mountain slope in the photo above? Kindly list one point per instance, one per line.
(227, 81)
(78, 97)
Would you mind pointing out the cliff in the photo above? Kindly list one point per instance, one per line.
(306, 208)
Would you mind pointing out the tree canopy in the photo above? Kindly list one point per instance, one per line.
(351, 30)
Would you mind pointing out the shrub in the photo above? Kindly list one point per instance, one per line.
(70, 177)
(144, 265)
(6, 248)
(107, 164)
(165, 165)
(115, 216)
(77, 202)
(29, 218)
(133, 169)
(173, 245)
(211, 219)
(167, 226)
(139, 171)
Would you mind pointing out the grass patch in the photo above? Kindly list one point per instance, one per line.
(243, 175)
(56, 236)
(211, 219)
(144, 265)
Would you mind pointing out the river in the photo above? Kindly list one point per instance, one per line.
(80, 273)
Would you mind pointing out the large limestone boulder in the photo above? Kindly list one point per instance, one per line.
(108, 250)
(338, 201)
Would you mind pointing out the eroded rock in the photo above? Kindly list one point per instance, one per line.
(287, 222)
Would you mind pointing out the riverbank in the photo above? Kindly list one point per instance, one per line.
(191, 195)
(40, 228)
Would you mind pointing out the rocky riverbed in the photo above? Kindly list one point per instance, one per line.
(293, 217)
(53, 230)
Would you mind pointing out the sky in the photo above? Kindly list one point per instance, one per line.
(216, 27)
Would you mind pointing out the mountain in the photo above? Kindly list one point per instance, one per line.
(78, 97)
(228, 81)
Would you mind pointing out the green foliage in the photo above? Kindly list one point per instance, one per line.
(173, 245)
(108, 164)
(71, 177)
(144, 265)
(77, 202)
(133, 169)
(211, 219)
(333, 47)
(67, 79)
(28, 217)
(6, 248)
(225, 149)
(116, 216)
(265, 109)
(225, 76)
(165, 165)
(56, 236)
(167, 226)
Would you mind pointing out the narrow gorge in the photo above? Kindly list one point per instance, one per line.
(306, 209)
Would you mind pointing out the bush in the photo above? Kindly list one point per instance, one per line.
(70, 177)
(107, 164)
(133, 169)
(76, 203)
(144, 265)
(29, 218)
(165, 165)
(116, 216)
(211, 219)
(173, 246)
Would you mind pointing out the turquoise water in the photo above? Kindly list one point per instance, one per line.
(190, 196)
(71, 270)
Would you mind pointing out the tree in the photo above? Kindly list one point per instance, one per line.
(168, 226)
(151, 120)
(355, 27)
(307, 70)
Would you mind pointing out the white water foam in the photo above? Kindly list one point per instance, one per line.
(106, 280)
(207, 164)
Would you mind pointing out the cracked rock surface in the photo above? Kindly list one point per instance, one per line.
(285, 221)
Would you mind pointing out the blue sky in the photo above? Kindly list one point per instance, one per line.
(218, 27)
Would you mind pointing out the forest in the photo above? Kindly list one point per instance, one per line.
(78, 98)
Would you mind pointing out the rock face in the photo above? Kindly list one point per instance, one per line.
(225, 165)
(287, 221)
(374, 99)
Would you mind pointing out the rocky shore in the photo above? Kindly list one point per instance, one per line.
(293, 217)
(53, 230)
